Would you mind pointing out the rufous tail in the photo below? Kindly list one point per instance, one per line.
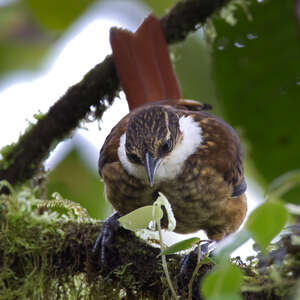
(143, 64)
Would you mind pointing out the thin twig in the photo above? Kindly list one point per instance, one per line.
(191, 282)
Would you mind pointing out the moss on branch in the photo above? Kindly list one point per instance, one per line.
(47, 255)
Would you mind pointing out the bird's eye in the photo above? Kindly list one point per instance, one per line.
(166, 147)
(134, 158)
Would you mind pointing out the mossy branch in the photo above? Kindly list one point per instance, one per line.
(47, 254)
(22, 160)
(51, 260)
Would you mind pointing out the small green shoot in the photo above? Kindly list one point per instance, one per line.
(161, 201)
(141, 218)
(194, 275)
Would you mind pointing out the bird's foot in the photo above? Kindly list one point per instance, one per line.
(189, 261)
(104, 241)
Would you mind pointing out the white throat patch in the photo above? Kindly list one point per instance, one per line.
(172, 163)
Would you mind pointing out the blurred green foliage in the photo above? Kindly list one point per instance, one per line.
(193, 67)
(57, 14)
(74, 180)
(256, 68)
(28, 29)
(263, 218)
(223, 284)
(23, 43)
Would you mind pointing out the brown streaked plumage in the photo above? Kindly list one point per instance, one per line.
(201, 196)
(149, 150)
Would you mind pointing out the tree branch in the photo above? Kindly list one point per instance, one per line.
(101, 83)
(186, 16)
(41, 259)
(58, 251)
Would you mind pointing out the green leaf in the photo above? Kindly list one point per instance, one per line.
(222, 283)
(139, 218)
(182, 245)
(57, 14)
(257, 71)
(266, 221)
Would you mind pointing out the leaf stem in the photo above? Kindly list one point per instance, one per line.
(164, 262)
(199, 264)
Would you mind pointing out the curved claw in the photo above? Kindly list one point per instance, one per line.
(104, 240)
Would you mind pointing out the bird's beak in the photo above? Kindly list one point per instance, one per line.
(151, 165)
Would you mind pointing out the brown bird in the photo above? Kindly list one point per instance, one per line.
(169, 145)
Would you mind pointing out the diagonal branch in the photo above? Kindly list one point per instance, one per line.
(99, 84)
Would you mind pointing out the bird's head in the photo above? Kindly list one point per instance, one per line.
(151, 136)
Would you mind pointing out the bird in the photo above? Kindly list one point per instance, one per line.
(168, 144)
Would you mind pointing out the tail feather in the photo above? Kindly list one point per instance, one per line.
(146, 60)
(168, 76)
(121, 42)
(143, 64)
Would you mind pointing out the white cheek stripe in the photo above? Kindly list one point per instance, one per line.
(171, 164)
(137, 171)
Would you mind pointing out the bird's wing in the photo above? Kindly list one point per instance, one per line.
(109, 150)
(221, 149)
